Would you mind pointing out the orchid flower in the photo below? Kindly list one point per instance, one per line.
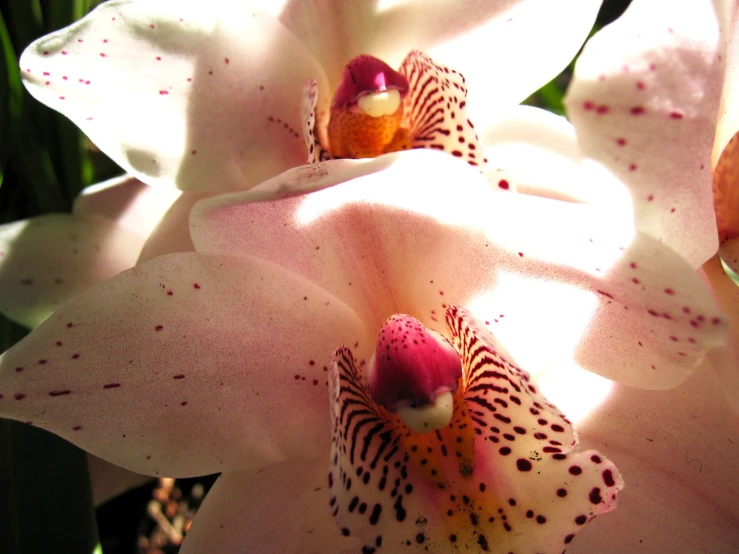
(47, 259)
(217, 89)
(220, 360)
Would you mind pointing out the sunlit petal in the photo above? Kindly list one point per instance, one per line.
(645, 90)
(200, 94)
(382, 242)
(185, 365)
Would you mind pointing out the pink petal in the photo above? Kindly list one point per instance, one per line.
(679, 454)
(643, 101)
(48, 259)
(282, 509)
(526, 134)
(421, 230)
(488, 42)
(184, 365)
(202, 95)
(500, 478)
(127, 201)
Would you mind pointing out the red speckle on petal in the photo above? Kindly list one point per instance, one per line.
(112, 386)
(163, 92)
(676, 115)
(159, 58)
(159, 327)
(652, 313)
(64, 52)
(170, 293)
(58, 343)
(441, 293)
(227, 61)
(61, 98)
(520, 254)
(311, 362)
(43, 362)
(602, 110)
(652, 66)
(606, 294)
(503, 184)
(650, 197)
(46, 74)
(632, 265)
(148, 456)
(588, 105)
(60, 392)
(183, 403)
(18, 369)
(194, 152)
(716, 321)
(196, 286)
(19, 396)
(635, 280)
(621, 141)
(669, 291)
(152, 26)
(180, 376)
(76, 427)
(632, 167)
(46, 52)
(640, 85)
(637, 110)
(103, 54)
(75, 356)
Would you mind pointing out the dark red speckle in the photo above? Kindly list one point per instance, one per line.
(112, 386)
(76, 427)
(503, 184)
(60, 392)
(195, 286)
(179, 376)
(676, 115)
(19, 396)
(159, 327)
(637, 110)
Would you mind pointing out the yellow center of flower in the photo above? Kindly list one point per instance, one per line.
(367, 111)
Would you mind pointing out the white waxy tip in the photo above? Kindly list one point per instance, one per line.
(377, 104)
(430, 417)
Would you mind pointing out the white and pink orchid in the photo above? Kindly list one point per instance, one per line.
(219, 360)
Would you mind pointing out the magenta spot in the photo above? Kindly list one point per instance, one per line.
(673, 338)
(652, 66)
(180, 376)
(669, 291)
(637, 110)
(159, 58)
(650, 197)
(170, 293)
(640, 85)
(227, 61)
(46, 73)
(64, 52)
(653, 313)
(606, 294)
(65, 78)
(716, 321)
(112, 386)
(608, 478)
(676, 115)
(189, 79)
(61, 98)
(632, 167)
(575, 470)
(75, 356)
(159, 327)
(503, 184)
(80, 40)
(196, 286)
(60, 392)
(152, 26)
(602, 110)
(76, 427)
(43, 362)
(19, 396)
(520, 254)
(632, 265)
(588, 105)
(103, 55)
(621, 141)
(163, 92)
(105, 41)
(635, 280)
